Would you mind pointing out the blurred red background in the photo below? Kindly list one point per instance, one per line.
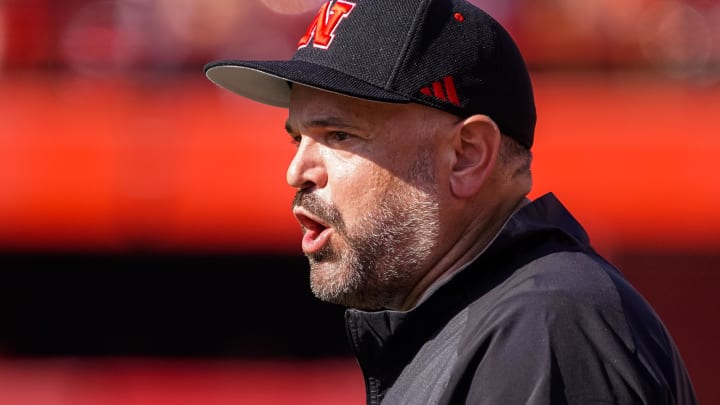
(113, 145)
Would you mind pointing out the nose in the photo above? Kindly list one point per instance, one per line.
(306, 170)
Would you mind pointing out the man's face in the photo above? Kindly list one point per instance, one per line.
(367, 196)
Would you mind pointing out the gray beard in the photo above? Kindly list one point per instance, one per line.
(380, 262)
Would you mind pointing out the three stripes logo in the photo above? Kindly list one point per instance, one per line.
(443, 90)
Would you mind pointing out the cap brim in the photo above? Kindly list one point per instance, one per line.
(268, 81)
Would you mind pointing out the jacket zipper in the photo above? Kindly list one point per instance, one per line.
(371, 383)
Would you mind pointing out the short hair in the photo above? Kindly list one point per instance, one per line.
(515, 157)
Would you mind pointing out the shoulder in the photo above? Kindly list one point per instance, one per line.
(564, 286)
(566, 305)
(569, 318)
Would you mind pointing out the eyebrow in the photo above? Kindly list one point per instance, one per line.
(321, 123)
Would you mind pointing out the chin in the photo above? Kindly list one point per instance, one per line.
(338, 284)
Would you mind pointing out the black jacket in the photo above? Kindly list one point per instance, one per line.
(538, 318)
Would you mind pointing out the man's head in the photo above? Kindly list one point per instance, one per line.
(413, 121)
(386, 190)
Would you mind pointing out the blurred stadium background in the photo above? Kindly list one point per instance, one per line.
(147, 251)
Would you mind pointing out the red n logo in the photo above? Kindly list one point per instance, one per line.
(323, 27)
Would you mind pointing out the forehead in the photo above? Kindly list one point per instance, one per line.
(312, 105)
(309, 103)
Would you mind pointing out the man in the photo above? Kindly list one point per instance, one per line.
(414, 121)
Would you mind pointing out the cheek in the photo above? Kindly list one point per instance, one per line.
(358, 187)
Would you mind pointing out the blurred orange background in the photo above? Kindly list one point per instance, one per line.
(112, 143)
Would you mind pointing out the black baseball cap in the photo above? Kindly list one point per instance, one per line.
(446, 54)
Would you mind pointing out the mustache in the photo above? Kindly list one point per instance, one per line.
(313, 204)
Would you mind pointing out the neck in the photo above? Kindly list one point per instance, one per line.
(475, 236)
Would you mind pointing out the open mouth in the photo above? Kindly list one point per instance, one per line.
(316, 232)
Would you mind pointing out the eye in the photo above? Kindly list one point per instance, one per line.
(339, 136)
(295, 140)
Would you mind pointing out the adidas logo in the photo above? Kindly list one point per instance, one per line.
(443, 90)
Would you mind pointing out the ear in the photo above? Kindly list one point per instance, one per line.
(477, 144)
